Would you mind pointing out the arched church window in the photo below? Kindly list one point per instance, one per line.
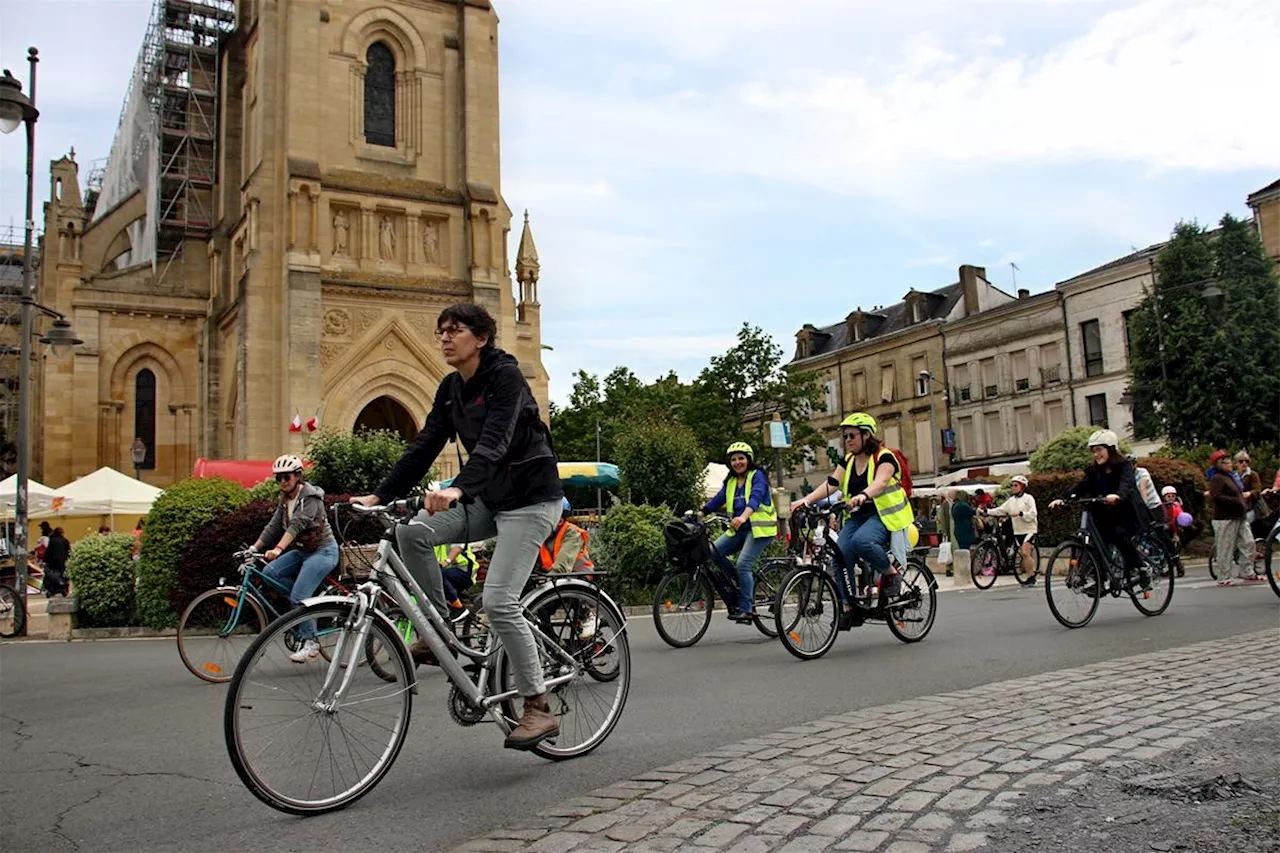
(380, 96)
(144, 415)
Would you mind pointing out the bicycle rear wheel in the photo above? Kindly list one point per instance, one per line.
(682, 606)
(807, 613)
(296, 747)
(768, 582)
(985, 564)
(216, 629)
(1159, 567)
(1073, 585)
(13, 615)
(590, 705)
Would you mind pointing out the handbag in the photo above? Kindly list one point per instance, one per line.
(944, 553)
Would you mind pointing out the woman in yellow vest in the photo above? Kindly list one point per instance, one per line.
(458, 572)
(746, 498)
(871, 484)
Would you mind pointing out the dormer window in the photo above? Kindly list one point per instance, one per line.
(804, 341)
(917, 307)
(856, 325)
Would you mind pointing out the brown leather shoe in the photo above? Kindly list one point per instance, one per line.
(422, 655)
(536, 725)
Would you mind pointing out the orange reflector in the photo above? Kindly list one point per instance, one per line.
(214, 668)
(668, 605)
(795, 638)
(229, 601)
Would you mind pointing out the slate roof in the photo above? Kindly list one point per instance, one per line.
(884, 321)
(1269, 189)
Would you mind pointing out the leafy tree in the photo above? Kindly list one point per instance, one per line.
(1067, 451)
(1200, 375)
(630, 546)
(347, 464)
(661, 464)
(101, 567)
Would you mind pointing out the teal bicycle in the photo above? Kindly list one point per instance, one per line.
(219, 625)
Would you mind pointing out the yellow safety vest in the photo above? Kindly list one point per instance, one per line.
(442, 556)
(764, 520)
(892, 504)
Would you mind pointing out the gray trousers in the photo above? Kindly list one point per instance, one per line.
(520, 533)
(1233, 548)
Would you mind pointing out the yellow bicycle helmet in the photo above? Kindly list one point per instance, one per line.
(743, 448)
(862, 421)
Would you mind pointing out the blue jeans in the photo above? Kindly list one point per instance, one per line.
(748, 548)
(307, 570)
(863, 537)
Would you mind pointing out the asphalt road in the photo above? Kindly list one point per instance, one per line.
(113, 746)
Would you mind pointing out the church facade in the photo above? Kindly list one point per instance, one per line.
(351, 190)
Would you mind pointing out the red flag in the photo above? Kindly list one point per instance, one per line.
(313, 422)
(296, 424)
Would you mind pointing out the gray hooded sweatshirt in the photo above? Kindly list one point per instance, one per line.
(307, 520)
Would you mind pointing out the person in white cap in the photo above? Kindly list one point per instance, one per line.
(1021, 507)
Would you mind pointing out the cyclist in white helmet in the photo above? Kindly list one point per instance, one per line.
(1021, 507)
(303, 550)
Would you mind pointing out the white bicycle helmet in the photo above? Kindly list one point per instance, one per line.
(1019, 479)
(1169, 490)
(1104, 438)
(287, 464)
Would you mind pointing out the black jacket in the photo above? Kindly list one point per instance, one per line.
(1099, 482)
(510, 464)
(57, 552)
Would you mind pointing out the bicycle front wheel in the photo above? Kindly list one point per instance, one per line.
(807, 612)
(13, 616)
(589, 706)
(298, 742)
(216, 629)
(985, 564)
(1073, 585)
(682, 606)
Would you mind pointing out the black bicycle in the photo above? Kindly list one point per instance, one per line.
(809, 612)
(13, 614)
(998, 553)
(685, 597)
(1084, 568)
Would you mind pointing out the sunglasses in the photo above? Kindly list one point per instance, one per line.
(283, 478)
(850, 436)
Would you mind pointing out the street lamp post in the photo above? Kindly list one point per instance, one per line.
(138, 453)
(19, 109)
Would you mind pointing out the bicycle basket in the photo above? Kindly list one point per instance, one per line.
(356, 561)
(687, 544)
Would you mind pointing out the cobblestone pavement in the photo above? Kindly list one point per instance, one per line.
(937, 773)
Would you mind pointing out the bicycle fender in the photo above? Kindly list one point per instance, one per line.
(401, 649)
(574, 583)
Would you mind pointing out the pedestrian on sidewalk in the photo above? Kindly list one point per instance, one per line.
(1232, 542)
(56, 554)
(1256, 508)
(962, 522)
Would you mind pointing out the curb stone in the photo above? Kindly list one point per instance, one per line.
(882, 781)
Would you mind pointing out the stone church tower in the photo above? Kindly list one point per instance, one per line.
(326, 180)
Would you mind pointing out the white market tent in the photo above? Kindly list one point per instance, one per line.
(39, 496)
(105, 492)
(713, 478)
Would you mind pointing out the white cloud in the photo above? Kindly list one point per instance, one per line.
(930, 261)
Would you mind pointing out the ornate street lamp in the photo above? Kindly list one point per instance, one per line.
(19, 109)
(138, 453)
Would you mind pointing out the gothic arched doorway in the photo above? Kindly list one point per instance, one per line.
(387, 413)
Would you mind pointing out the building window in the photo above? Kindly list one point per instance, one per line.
(922, 383)
(887, 375)
(1021, 371)
(1026, 428)
(968, 445)
(144, 415)
(1055, 418)
(990, 378)
(1091, 335)
(1097, 404)
(995, 433)
(380, 96)
(1050, 364)
(860, 388)
(1128, 334)
(829, 395)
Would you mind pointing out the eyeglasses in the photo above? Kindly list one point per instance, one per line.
(450, 332)
(282, 478)
(850, 436)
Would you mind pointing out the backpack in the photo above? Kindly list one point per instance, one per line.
(687, 545)
(904, 470)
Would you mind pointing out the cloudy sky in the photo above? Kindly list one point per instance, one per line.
(691, 164)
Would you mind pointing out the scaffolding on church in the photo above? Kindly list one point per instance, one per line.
(166, 141)
(11, 238)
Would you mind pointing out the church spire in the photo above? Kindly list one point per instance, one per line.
(527, 266)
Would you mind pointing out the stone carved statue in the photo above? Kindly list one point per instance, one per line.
(341, 231)
(386, 238)
(430, 241)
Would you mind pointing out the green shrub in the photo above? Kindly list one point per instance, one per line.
(1053, 525)
(176, 515)
(347, 464)
(661, 463)
(629, 545)
(267, 490)
(102, 569)
(208, 558)
(1067, 451)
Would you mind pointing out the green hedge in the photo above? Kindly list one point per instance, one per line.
(630, 546)
(347, 464)
(176, 515)
(208, 555)
(102, 569)
(267, 490)
(1067, 451)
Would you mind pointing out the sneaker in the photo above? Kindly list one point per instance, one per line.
(1255, 579)
(310, 651)
(588, 627)
(743, 618)
(1226, 582)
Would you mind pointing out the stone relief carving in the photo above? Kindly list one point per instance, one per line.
(365, 318)
(386, 238)
(430, 242)
(421, 322)
(337, 323)
(341, 234)
(329, 353)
